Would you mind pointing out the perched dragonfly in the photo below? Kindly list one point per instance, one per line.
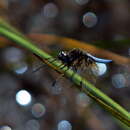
(78, 59)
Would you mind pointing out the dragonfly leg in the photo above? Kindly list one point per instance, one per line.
(40, 67)
(81, 84)
(43, 64)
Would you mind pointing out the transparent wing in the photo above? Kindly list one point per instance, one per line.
(89, 71)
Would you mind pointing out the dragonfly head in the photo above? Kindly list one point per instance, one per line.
(63, 56)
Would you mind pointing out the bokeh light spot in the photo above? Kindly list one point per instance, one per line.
(50, 10)
(21, 69)
(23, 97)
(38, 110)
(100, 70)
(118, 80)
(90, 19)
(13, 55)
(5, 128)
(64, 125)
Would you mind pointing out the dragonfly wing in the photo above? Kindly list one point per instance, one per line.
(99, 60)
(88, 71)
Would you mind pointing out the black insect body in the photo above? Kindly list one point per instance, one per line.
(76, 57)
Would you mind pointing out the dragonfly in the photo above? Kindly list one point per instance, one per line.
(78, 59)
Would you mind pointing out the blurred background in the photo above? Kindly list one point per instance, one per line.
(28, 101)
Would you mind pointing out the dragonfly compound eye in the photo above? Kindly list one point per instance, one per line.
(63, 56)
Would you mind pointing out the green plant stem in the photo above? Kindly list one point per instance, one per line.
(102, 99)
